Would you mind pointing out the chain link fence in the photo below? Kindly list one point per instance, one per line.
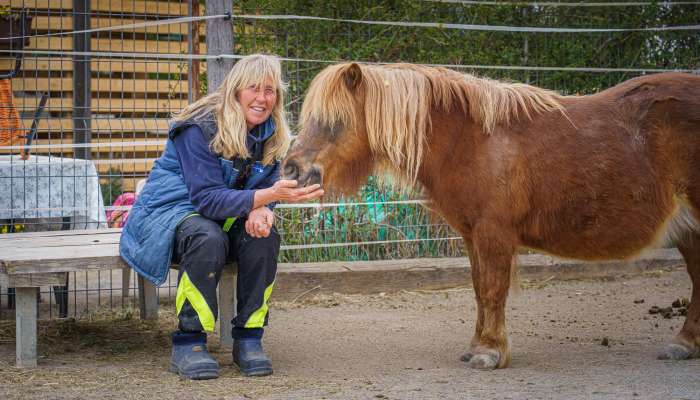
(87, 90)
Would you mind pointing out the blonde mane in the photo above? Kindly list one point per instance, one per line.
(398, 99)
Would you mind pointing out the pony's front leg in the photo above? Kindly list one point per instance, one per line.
(474, 262)
(495, 255)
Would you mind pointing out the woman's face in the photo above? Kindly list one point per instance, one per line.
(257, 102)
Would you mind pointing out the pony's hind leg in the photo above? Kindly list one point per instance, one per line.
(687, 343)
(474, 261)
(495, 255)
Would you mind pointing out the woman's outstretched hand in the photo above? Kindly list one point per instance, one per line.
(288, 191)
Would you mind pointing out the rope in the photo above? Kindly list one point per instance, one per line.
(185, 57)
(439, 25)
(468, 27)
(90, 145)
(565, 4)
(147, 24)
(280, 206)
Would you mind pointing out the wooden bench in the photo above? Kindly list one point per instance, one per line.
(31, 260)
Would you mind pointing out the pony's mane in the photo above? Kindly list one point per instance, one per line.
(398, 99)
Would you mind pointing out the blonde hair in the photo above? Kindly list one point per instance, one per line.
(230, 138)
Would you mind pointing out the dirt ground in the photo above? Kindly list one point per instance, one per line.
(388, 346)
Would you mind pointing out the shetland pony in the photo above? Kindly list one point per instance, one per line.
(512, 166)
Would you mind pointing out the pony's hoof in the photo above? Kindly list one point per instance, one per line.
(488, 360)
(675, 351)
(467, 356)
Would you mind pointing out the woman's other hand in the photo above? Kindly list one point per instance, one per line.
(260, 222)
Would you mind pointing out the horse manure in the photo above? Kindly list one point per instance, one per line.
(639, 301)
(681, 302)
(654, 310)
(605, 342)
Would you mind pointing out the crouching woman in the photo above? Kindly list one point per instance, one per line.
(209, 200)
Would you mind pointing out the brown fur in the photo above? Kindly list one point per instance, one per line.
(510, 166)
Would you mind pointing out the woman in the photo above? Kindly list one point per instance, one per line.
(209, 199)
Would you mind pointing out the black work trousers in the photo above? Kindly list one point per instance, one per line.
(202, 248)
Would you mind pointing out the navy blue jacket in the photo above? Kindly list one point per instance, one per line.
(209, 193)
(188, 178)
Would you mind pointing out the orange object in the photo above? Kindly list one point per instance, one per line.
(11, 131)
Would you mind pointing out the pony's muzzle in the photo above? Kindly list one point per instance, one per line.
(312, 177)
(305, 177)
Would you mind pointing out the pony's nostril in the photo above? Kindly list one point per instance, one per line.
(291, 171)
(314, 177)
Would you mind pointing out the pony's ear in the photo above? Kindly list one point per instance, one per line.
(353, 76)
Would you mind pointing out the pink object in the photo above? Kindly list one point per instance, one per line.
(117, 218)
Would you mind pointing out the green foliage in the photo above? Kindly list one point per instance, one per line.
(113, 187)
(345, 41)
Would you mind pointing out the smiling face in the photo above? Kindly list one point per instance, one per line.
(257, 101)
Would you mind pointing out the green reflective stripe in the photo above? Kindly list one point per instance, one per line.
(187, 291)
(257, 318)
(228, 223)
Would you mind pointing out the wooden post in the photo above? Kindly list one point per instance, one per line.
(126, 281)
(227, 304)
(148, 299)
(82, 92)
(25, 320)
(193, 48)
(219, 41)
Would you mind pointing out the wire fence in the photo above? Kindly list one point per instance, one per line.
(87, 90)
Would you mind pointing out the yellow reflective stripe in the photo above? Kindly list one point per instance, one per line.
(257, 318)
(188, 216)
(187, 291)
(228, 223)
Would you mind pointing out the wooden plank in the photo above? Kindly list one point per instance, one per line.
(25, 323)
(105, 105)
(98, 233)
(28, 243)
(141, 86)
(37, 280)
(111, 45)
(54, 24)
(55, 259)
(127, 167)
(101, 124)
(227, 304)
(65, 125)
(114, 6)
(53, 63)
(148, 299)
(126, 282)
(157, 146)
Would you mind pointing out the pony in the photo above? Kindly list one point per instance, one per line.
(512, 166)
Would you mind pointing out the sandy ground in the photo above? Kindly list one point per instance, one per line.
(388, 346)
